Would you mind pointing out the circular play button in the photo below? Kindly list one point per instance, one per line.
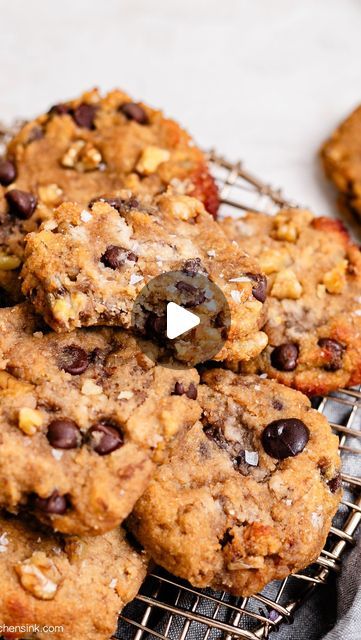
(181, 318)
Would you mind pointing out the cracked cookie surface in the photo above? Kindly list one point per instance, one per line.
(247, 495)
(341, 158)
(76, 584)
(90, 265)
(314, 298)
(85, 417)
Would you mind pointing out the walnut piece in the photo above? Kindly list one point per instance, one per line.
(30, 420)
(9, 262)
(151, 158)
(286, 285)
(81, 156)
(50, 194)
(335, 279)
(39, 576)
(181, 207)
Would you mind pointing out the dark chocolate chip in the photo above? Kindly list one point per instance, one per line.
(335, 483)
(179, 389)
(59, 109)
(156, 325)
(74, 360)
(120, 204)
(115, 257)
(259, 290)
(84, 115)
(333, 352)
(55, 504)
(193, 266)
(64, 434)
(193, 295)
(192, 392)
(7, 172)
(284, 357)
(284, 438)
(134, 111)
(105, 439)
(227, 538)
(22, 204)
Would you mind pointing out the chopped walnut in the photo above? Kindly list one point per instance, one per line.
(272, 261)
(50, 194)
(181, 207)
(9, 262)
(286, 285)
(284, 228)
(90, 388)
(82, 156)
(151, 158)
(335, 279)
(30, 420)
(39, 576)
(65, 309)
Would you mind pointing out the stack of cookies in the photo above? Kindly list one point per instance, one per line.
(222, 473)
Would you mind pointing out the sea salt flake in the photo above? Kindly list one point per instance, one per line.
(134, 279)
(113, 583)
(125, 395)
(57, 454)
(251, 458)
(4, 542)
(211, 253)
(236, 295)
(263, 375)
(357, 312)
(240, 279)
(85, 216)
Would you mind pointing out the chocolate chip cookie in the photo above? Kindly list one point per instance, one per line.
(90, 146)
(88, 266)
(75, 585)
(84, 419)
(341, 157)
(247, 494)
(314, 298)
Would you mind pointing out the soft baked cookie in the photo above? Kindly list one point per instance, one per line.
(84, 417)
(341, 157)
(78, 585)
(247, 494)
(91, 146)
(88, 266)
(314, 298)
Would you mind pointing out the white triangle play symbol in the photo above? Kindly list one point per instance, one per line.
(179, 320)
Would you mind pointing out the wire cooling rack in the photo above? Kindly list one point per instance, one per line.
(170, 609)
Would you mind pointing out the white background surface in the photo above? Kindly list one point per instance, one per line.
(262, 80)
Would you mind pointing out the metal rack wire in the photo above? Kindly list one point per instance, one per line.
(170, 609)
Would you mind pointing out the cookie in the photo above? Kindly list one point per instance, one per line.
(85, 417)
(247, 494)
(65, 587)
(88, 266)
(341, 158)
(314, 298)
(88, 147)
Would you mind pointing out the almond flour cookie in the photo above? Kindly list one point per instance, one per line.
(84, 418)
(88, 147)
(341, 157)
(88, 266)
(314, 298)
(78, 585)
(247, 495)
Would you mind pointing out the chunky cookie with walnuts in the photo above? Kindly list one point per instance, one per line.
(88, 266)
(65, 587)
(84, 418)
(314, 298)
(247, 495)
(341, 157)
(90, 146)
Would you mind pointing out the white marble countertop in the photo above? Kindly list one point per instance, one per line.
(262, 80)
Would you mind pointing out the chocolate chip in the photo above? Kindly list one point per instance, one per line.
(115, 257)
(22, 203)
(193, 295)
(259, 290)
(193, 266)
(284, 438)
(74, 360)
(59, 109)
(284, 357)
(192, 392)
(105, 439)
(120, 204)
(227, 538)
(333, 352)
(56, 504)
(277, 404)
(7, 172)
(134, 111)
(63, 434)
(335, 483)
(36, 133)
(155, 325)
(84, 115)
(179, 390)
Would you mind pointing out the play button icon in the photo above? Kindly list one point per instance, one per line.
(179, 320)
